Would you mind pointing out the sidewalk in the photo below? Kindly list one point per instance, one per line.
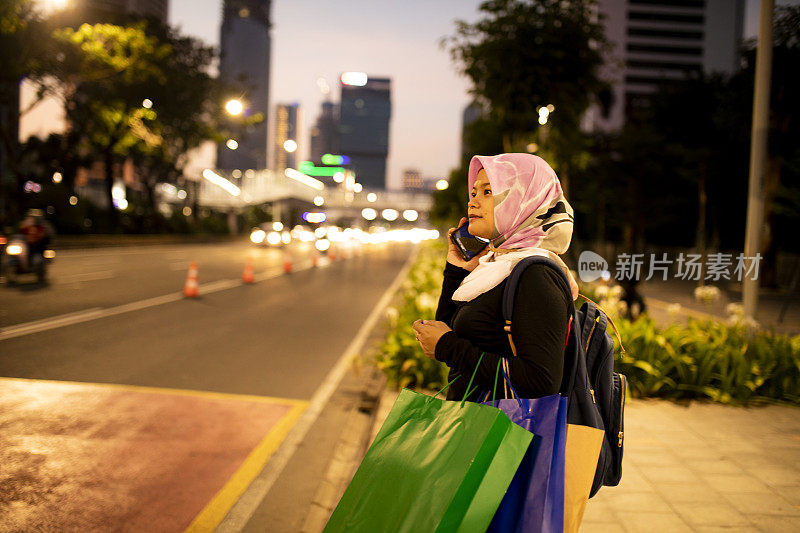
(696, 468)
(660, 294)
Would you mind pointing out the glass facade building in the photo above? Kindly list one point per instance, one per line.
(364, 115)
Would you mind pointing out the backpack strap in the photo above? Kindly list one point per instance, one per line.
(510, 292)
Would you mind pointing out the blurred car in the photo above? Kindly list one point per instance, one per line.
(270, 234)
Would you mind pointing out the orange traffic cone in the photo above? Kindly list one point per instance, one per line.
(190, 290)
(287, 262)
(248, 276)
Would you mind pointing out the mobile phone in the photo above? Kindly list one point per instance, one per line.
(467, 244)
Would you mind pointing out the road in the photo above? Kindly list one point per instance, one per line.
(206, 364)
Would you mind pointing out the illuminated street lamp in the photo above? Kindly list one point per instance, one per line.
(147, 103)
(232, 144)
(54, 5)
(290, 146)
(442, 184)
(234, 107)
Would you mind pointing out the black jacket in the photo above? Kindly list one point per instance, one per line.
(539, 331)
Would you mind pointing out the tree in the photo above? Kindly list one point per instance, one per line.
(141, 92)
(27, 52)
(525, 54)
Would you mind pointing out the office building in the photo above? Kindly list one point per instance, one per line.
(364, 115)
(412, 180)
(325, 134)
(284, 150)
(244, 67)
(657, 40)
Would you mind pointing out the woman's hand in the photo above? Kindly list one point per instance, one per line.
(428, 333)
(454, 256)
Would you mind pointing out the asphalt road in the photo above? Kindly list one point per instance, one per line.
(278, 337)
(245, 364)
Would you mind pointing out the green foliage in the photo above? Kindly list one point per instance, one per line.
(710, 360)
(522, 54)
(400, 356)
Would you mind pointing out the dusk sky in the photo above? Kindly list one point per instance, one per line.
(318, 38)
(313, 39)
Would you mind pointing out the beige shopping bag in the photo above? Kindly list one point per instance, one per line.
(583, 450)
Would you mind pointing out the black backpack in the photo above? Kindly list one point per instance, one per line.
(595, 393)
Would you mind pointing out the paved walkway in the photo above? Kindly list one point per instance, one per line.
(660, 294)
(704, 467)
(697, 467)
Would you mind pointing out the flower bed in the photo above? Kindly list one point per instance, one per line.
(704, 359)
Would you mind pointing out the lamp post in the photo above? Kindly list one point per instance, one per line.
(758, 153)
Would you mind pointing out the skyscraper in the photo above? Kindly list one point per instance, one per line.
(324, 134)
(286, 120)
(244, 68)
(364, 115)
(657, 40)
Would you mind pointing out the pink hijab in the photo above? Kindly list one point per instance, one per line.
(531, 217)
(529, 205)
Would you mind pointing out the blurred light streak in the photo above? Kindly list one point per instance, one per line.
(219, 181)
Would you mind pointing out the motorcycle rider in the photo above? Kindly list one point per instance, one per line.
(38, 234)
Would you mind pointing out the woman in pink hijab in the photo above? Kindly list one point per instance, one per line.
(516, 202)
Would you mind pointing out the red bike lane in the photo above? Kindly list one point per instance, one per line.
(84, 456)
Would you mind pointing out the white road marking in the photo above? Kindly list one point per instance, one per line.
(249, 501)
(184, 265)
(84, 276)
(27, 328)
(49, 323)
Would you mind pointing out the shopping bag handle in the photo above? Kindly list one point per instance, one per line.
(446, 386)
(469, 385)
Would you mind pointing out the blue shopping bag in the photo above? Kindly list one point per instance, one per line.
(534, 502)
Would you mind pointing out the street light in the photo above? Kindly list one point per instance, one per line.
(147, 103)
(232, 144)
(442, 184)
(234, 107)
(290, 146)
(55, 5)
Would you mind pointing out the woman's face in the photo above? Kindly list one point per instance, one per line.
(480, 208)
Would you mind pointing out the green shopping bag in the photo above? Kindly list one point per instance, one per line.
(435, 465)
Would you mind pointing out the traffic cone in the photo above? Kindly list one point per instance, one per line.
(287, 262)
(248, 276)
(191, 290)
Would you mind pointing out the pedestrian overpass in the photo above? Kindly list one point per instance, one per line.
(232, 191)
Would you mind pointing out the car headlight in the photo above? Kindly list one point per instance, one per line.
(257, 237)
(273, 238)
(14, 249)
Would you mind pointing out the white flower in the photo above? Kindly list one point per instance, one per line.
(706, 293)
(426, 302)
(735, 310)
